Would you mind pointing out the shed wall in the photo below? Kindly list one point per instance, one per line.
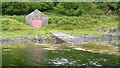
(36, 14)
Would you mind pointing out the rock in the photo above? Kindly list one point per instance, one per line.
(38, 38)
(101, 30)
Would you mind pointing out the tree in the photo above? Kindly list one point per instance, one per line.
(17, 8)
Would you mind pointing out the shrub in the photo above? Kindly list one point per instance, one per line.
(67, 27)
(12, 8)
(19, 18)
(5, 25)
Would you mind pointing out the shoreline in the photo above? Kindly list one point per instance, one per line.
(113, 51)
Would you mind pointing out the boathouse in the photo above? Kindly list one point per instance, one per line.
(36, 19)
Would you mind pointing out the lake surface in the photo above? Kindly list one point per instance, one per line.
(38, 55)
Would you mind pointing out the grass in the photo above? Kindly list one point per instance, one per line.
(15, 26)
(93, 46)
(99, 48)
(16, 45)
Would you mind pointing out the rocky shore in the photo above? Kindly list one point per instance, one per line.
(54, 39)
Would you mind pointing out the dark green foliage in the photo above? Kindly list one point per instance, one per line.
(64, 8)
(114, 6)
(110, 6)
(70, 9)
(42, 6)
(21, 8)
(14, 8)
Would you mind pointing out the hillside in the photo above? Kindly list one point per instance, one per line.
(15, 26)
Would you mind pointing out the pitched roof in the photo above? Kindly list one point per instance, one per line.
(35, 12)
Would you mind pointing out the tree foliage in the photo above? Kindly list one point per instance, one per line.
(65, 8)
(15, 8)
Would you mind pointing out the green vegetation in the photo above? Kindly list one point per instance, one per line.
(72, 17)
(15, 26)
(16, 45)
(63, 8)
(69, 17)
(93, 46)
(82, 22)
(99, 48)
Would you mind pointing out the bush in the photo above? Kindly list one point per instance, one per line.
(19, 18)
(64, 8)
(67, 27)
(42, 6)
(5, 25)
(15, 8)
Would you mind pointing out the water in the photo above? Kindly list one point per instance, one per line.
(37, 55)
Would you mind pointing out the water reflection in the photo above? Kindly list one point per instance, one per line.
(37, 55)
(34, 54)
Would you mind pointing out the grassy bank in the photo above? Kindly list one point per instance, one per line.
(15, 26)
(99, 48)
